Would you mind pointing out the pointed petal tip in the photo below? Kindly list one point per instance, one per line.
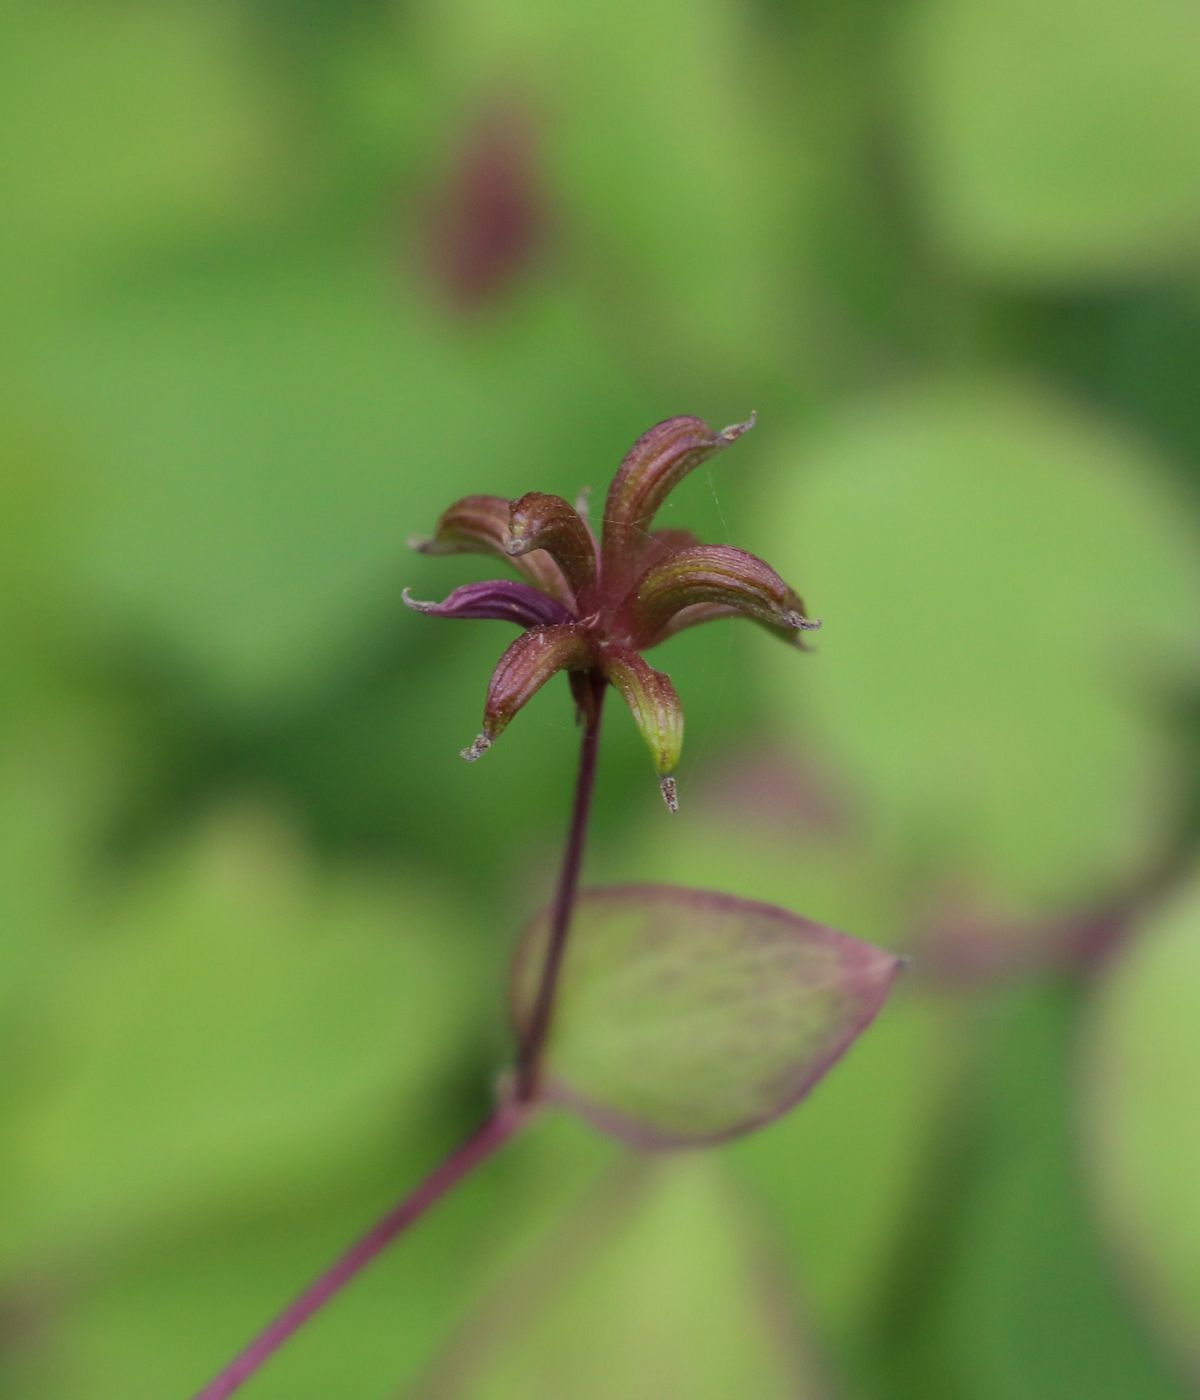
(735, 430)
(421, 543)
(417, 604)
(801, 623)
(478, 748)
(670, 793)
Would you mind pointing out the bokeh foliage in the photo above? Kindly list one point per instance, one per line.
(255, 915)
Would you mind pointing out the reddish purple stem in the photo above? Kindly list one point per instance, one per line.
(533, 1042)
(486, 1140)
(494, 1133)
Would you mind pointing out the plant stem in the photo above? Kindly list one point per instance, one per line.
(486, 1140)
(533, 1042)
(494, 1133)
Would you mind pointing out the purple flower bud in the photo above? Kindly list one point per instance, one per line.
(591, 612)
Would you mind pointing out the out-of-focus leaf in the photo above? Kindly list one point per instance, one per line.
(1008, 588)
(270, 533)
(657, 1287)
(226, 1027)
(1007, 1291)
(686, 1017)
(1141, 1095)
(168, 1322)
(125, 121)
(841, 1180)
(1049, 137)
(662, 159)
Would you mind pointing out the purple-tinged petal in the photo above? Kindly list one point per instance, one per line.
(653, 466)
(711, 574)
(538, 521)
(685, 1017)
(656, 709)
(522, 671)
(479, 525)
(502, 600)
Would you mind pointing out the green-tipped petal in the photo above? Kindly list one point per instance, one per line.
(656, 709)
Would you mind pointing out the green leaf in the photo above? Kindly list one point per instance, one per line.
(1142, 1078)
(1006, 1290)
(657, 1286)
(686, 1017)
(1050, 138)
(165, 1322)
(1009, 587)
(228, 1025)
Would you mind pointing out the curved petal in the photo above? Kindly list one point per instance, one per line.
(522, 671)
(696, 613)
(656, 709)
(479, 525)
(503, 600)
(653, 466)
(538, 521)
(711, 574)
(659, 545)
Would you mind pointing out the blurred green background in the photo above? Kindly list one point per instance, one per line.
(281, 280)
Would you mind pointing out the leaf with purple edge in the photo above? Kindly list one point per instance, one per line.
(687, 1017)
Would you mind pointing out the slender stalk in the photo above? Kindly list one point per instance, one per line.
(486, 1140)
(533, 1042)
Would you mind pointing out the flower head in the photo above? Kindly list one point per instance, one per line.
(591, 608)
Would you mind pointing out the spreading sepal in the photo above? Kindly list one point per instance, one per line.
(522, 671)
(714, 575)
(480, 525)
(653, 466)
(656, 709)
(503, 600)
(539, 521)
